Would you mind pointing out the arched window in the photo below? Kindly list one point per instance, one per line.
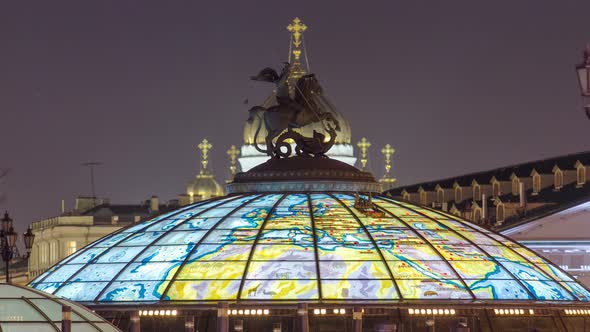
(515, 185)
(581, 175)
(476, 192)
(423, 198)
(458, 194)
(440, 195)
(500, 213)
(477, 215)
(558, 179)
(496, 188)
(406, 196)
(536, 183)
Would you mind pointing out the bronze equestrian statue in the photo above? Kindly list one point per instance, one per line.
(290, 113)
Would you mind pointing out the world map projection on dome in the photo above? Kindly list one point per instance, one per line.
(267, 247)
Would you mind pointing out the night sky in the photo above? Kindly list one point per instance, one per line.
(454, 86)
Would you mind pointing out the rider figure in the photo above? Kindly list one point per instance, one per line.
(283, 96)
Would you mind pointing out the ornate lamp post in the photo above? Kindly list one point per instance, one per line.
(8, 239)
(583, 70)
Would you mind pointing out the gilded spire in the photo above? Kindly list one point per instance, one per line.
(204, 146)
(387, 152)
(296, 48)
(233, 154)
(364, 146)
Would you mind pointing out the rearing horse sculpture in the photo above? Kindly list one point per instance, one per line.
(289, 113)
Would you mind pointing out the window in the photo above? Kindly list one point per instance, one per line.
(53, 251)
(536, 184)
(71, 247)
(581, 175)
(440, 195)
(476, 192)
(477, 215)
(500, 213)
(423, 198)
(44, 254)
(515, 186)
(458, 194)
(496, 188)
(558, 179)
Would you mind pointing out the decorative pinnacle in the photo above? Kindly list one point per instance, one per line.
(233, 154)
(388, 152)
(364, 145)
(297, 28)
(204, 146)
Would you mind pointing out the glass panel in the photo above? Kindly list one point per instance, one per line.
(238, 236)
(180, 237)
(280, 289)
(479, 238)
(503, 252)
(134, 291)
(554, 272)
(50, 308)
(359, 289)
(432, 289)
(264, 252)
(148, 271)
(213, 270)
(409, 252)
(111, 240)
(81, 291)
(480, 270)
(580, 292)
(204, 290)
(19, 327)
(353, 270)
(534, 258)
(547, 290)
(199, 223)
(63, 273)
(141, 239)
(498, 289)
(220, 252)
(119, 255)
(282, 270)
(99, 272)
(165, 253)
(48, 287)
(86, 255)
(523, 271)
(412, 269)
(18, 310)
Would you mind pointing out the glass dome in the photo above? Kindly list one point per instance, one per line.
(317, 246)
(27, 310)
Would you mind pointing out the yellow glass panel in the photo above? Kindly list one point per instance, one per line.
(280, 289)
(212, 270)
(204, 290)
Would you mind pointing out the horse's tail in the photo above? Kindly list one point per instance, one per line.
(260, 120)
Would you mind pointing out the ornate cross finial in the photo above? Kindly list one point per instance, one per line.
(364, 145)
(387, 151)
(296, 28)
(204, 146)
(233, 154)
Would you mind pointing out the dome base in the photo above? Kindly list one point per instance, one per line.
(303, 173)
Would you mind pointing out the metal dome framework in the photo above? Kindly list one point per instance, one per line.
(24, 309)
(313, 247)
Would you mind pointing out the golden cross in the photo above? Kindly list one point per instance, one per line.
(297, 28)
(364, 145)
(387, 151)
(233, 154)
(204, 146)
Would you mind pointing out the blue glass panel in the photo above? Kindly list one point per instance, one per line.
(99, 272)
(81, 291)
(523, 271)
(48, 287)
(181, 237)
(63, 272)
(133, 291)
(110, 240)
(148, 271)
(119, 255)
(87, 255)
(199, 223)
(579, 292)
(547, 290)
(141, 239)
(165, 253)
(498, 289)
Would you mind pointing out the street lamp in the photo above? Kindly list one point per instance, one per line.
(8, 239)
(583, 71)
